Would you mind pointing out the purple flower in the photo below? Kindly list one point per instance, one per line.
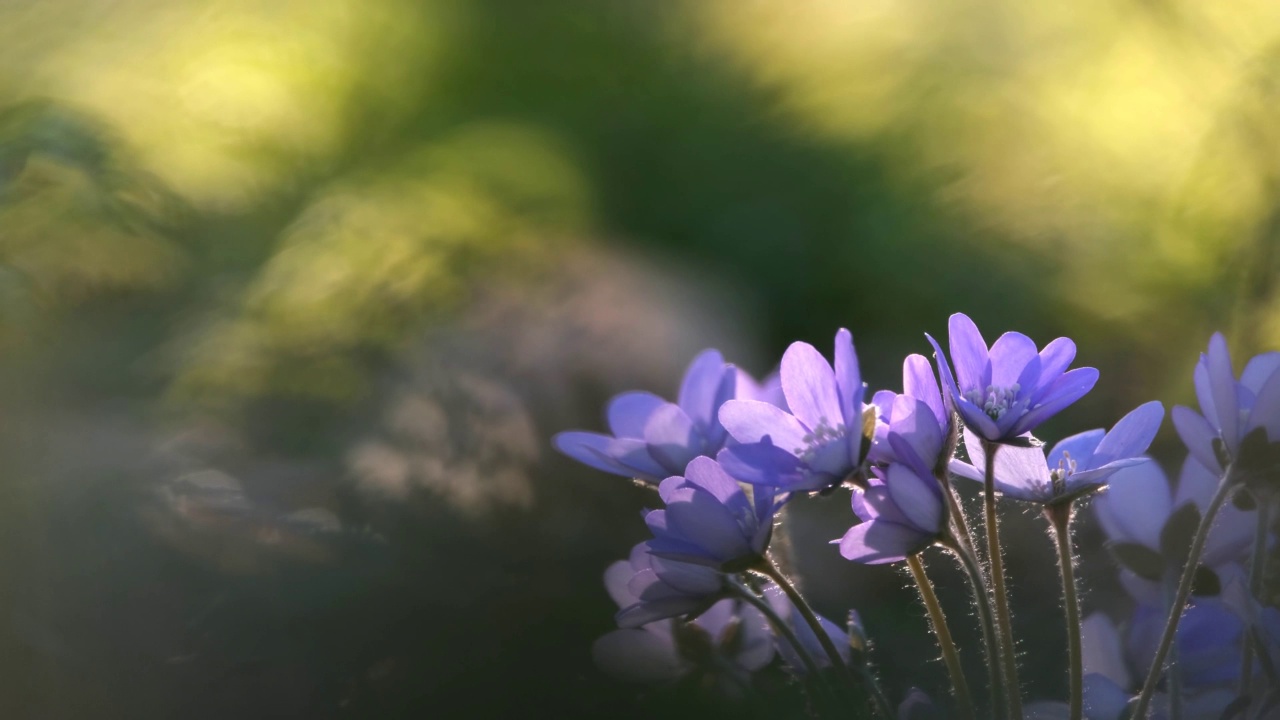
(710, 521)
(1077, 465)
(902, 513)
(1009, 389)
(1135, 510)
(652, 438)
(664, 588)
(767, 390)
(907, 419)
(731, 639)
(1232, 409)
(815, 445)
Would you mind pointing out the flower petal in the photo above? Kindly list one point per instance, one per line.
(968, 353)
(1009, 356)
(1197, 435)
(696, 516)
(1065, 390)
(1260, 369)
(1102, 650)
(919, 498)
(704, 383)
(1055, 358)
(620, 456)
(959, 468)
(616, 577)
(809, 384)
(672, 438)
(750, 421)
(848, 378)
(1222, 382)
(1131, 436)
(919, 382)
(950, 391)
(630, 412)
(1266, 408)
(1135, 505)
(1078, 448)
(764, 463)
(1021, 472)
(879, 542)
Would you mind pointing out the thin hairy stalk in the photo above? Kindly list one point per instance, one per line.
(1004, 626)
(1225, 488)
(938, 619)
(811, 618)
(780, 625)
(1257, 570)
(1060, 520)
(963, 552)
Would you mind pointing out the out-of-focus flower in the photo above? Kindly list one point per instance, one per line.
(654, 439)
(1009, 389)
(730, 640)
(1075, 466)
(667, 588)
(818, 443)
(1208, 646)
(1232, 409)
(767, 390)
(1136, 513)
(809, 641)
(709, 520)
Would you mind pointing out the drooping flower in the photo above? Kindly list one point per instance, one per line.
(654, 439)
(1076, 465)
(663, 588)
(710, 521)
(814, 445)
(1009, 389)
(1231, 408)
(729, 641)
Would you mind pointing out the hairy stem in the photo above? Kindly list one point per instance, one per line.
(883, 708)
(1004, 626)
(938, 619)
(1257, 569)
(1060, 519)
(964, 554)
(1225, 488)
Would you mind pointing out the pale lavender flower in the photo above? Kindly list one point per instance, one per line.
(818, 443)
(652, 438)
(1076, 465)
(1010, 389)
(665, 650)
(1135, 511)
(667, 588)
(1231, 408)
(710, 521)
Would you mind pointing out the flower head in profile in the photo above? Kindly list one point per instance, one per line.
(708, 519)
(902, 509)
(1008, 389)
(1232, 409)
(814, 445)
(652, 438)
(1075, 466)
(662, 588)
(727, 642)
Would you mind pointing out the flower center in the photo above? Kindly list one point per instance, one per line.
(1066, 468)
(818, 438)
(996, 401)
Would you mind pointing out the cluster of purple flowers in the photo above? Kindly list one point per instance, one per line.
(704, 594)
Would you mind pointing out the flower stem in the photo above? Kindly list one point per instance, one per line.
(881, 702)
(964, 700)
(1180, 598)
(1060, 519)
(1257, 569)
(759, 603)
(964, 554)
(1004, 627)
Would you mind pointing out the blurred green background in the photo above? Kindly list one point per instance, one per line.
(293, 294)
